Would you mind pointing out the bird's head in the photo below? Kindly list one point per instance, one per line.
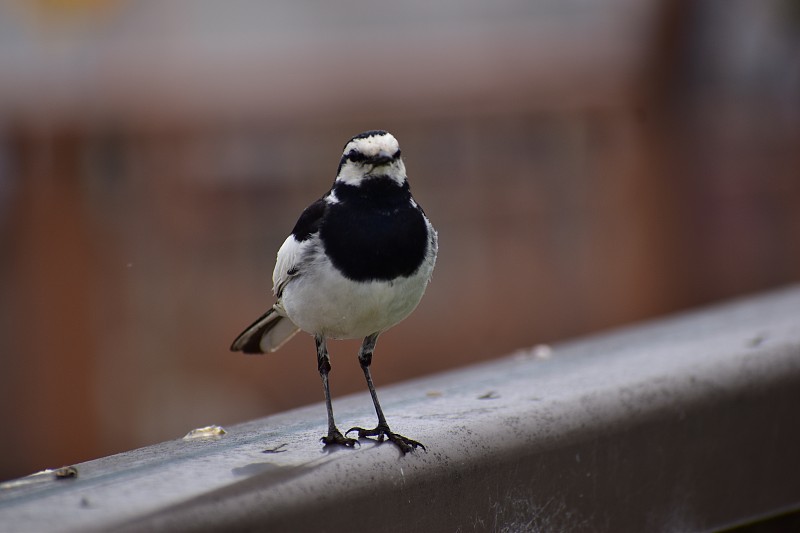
(371, 154)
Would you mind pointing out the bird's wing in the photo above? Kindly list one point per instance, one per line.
(289, 263)
(286, 265)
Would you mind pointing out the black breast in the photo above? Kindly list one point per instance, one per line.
(374, 232)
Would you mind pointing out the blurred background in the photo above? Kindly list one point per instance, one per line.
(587, 165)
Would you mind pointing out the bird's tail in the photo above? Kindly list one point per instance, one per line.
(267, 334)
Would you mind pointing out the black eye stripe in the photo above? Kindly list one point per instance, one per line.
(358, 157)
(355, 156)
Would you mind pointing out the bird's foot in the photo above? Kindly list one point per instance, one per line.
(335, 437)
(382, 431)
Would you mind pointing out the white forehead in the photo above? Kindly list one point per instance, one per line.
(374, 144)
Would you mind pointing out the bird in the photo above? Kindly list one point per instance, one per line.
(356, 263)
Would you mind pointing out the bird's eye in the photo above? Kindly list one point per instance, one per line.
(356, 156)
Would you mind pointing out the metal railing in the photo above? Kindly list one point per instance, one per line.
(684, 424)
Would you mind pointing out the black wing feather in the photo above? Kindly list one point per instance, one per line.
(310, 220)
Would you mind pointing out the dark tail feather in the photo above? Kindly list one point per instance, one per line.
(267, 334)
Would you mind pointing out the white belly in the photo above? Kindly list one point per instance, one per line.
(326, 303)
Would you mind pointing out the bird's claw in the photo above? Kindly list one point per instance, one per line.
(404, 443)
(335, 437)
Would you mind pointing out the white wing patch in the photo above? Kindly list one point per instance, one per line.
(288, 263)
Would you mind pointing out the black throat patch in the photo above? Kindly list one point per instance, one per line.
(374, 232)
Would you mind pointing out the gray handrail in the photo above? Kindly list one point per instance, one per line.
(688, 423)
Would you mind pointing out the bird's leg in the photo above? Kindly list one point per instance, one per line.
(334, 436)
(382, 429)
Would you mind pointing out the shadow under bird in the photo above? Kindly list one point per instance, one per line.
(356, 263)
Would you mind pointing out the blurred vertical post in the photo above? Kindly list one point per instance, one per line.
(48, 371)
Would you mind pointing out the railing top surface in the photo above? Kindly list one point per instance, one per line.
(530, 402)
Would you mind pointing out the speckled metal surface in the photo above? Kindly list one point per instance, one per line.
(682, 424)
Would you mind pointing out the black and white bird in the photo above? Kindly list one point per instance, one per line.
(357, 263)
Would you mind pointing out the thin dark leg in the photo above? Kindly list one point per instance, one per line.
(382, 429)
(334, 436)
(365, 359)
